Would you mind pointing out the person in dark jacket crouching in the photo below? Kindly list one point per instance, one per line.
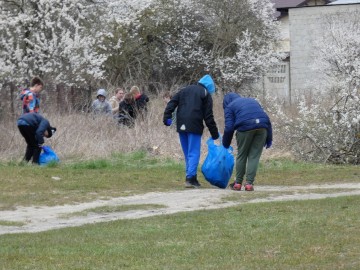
(194, 106)
(253, 132)
(34, 127)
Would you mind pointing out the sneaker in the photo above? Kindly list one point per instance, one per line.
(192, 183)
(196, 183)
(235, 186)
(188, 184)
(249, 187)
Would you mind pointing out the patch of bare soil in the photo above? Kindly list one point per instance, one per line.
(37, 219)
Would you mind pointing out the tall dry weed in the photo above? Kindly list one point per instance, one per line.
(82, 136)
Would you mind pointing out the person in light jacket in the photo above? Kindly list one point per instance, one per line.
(116, 99)
(253, 132)
(100, 105)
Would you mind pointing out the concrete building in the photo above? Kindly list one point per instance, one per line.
(306, 25)
(277, 81)
(301, 23)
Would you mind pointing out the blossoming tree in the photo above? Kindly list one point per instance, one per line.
(50, 38)
(326, 127)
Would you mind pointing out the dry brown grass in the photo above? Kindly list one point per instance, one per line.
(83, 136)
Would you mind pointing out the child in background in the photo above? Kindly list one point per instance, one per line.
(116, 99)
(141, 100)
(127, 109)
(30, 97)
(100, 105)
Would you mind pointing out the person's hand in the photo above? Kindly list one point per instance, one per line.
(216, 137)
(268, 144)
(225, 146)
(168, 122)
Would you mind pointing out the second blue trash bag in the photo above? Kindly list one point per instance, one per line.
(48, 156)
(218, 165)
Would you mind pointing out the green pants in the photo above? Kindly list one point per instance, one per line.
(249, 145)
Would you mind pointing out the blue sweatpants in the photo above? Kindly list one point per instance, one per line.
(191, 145)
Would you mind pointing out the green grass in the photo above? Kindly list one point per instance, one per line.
(316, 234)
(288, 172)
(85, 181)
(123, 175)
(11, 223)
(319, 234)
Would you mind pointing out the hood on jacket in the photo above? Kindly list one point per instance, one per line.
(229, 98)
(208, 83)
(101, 92)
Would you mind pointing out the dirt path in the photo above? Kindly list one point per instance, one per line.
(37, 219)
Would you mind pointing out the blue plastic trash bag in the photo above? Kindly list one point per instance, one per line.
(218, 165)
(48, 156)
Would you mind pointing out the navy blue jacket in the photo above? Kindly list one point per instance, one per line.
(194, 106)
(37, 121)
(243, 114)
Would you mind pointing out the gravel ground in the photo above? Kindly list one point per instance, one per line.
(37, 219)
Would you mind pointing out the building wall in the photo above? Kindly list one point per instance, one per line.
(284, 45)
(277, 80)
(305, 24)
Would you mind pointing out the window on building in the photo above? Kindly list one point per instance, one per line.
(274, 76)
(276, 79)
(278, 69)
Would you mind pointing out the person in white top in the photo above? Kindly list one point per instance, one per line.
(116, 99)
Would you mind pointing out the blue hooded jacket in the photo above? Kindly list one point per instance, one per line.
(208, 83)
(243, 114)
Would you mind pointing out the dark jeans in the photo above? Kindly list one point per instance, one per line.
(32, 149)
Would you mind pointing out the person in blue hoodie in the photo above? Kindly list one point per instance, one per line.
(194, 106)
(253, 132)
(34, 127)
